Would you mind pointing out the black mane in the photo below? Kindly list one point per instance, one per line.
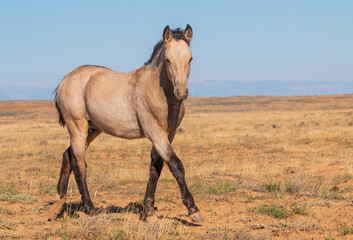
(178, 34)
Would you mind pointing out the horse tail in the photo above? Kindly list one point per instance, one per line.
(61, 119)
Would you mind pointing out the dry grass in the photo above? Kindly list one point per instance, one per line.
(259, 168)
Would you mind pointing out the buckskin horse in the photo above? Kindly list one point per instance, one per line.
(147, 102)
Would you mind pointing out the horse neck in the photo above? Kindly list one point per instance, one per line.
(158, 67)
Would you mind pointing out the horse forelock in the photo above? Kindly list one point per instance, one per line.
(178, 34)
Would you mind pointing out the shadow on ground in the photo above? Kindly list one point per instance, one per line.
(71, 210)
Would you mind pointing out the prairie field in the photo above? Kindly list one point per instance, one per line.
(259, 167)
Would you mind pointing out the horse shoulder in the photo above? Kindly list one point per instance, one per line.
(150, 102)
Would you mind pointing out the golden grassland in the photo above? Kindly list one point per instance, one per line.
(259, 167)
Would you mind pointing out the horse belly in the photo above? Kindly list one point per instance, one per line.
(116, 122)
(124, 129)
(110, 109)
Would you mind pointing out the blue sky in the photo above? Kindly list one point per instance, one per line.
(41, 41)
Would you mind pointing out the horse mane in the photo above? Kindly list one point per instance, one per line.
(178, 34)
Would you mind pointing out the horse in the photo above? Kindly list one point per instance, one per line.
(144, 103)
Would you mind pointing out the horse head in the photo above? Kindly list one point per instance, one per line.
(177, 59)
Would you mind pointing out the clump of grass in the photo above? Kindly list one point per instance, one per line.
(5, 210)
(198, 187)
(118, 234)
(333, 193)
(165, 199)
(271, 186)
(349, 203)
(342, 178)
(5, 224)
(5, 235)
(299, 207)
(11, 194)
(46, 188)
(251, 198)
(9, 189)
(289, 186)
(222, 188)
(274, 210)
(213, 188)
(330, 237)
(40, 209)
(250, 142)
(64, 233)
(345, 229)
(292, 187)
(322, 203)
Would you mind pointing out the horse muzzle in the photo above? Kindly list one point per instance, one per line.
(181, 96)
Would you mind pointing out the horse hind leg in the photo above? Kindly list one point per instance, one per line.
(155, 172)
(66, 166)
(79, 133)
(64, 174)
(56, 208)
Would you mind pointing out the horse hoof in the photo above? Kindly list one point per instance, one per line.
(196, 217)
(88, 209)
(145, 215)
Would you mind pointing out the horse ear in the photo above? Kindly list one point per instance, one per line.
(167, 35)
(188, 33)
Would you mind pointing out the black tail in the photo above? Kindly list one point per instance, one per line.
(61, 119)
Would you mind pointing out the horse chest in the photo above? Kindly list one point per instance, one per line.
(173, 117)
(162, 115)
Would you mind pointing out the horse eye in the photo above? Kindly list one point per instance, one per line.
(190, 59)
(168, 61)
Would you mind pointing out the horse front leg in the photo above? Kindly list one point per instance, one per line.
(155, 172)
(175, 165)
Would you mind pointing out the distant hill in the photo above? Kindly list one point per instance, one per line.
(274, 88)
(26, 93)
(212, 89)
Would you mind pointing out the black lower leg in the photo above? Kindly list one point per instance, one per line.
(64, 174)
(178, 171)
(155, 171)
(81, 184)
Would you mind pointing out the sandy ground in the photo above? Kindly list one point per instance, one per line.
(258, 167)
